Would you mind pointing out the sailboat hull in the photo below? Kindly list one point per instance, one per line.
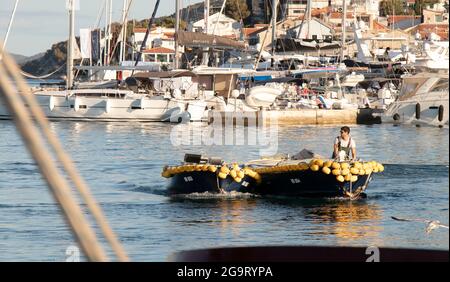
(84, 108)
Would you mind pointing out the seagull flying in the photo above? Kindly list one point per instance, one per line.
(431, 224)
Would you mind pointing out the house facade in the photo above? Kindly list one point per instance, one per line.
(218, 24)
(318, 29)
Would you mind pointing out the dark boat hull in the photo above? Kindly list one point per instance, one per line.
(310, 184)
(298, 183)
(208, 182)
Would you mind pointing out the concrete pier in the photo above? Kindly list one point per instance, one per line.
(296, 117)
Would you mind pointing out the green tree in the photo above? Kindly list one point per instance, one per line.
(392, 7)
(237, 9)
(422, 4)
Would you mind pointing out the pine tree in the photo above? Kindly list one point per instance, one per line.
(237, 9)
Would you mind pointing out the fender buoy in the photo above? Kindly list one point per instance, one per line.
(441, 113)
(417, 111)
(396, 117)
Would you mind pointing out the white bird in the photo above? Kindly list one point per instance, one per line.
(431, 224)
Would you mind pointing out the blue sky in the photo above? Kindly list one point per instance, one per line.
(40, 23)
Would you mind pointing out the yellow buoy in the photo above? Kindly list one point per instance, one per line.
(345, 166)
(238, 179)
(212, 168)
(241, 174)
(348, 177)
(224, 169)
(222, 175)
(336, 165)
(166, 174)
(233, 173)
(336, 172)
(357, 165)
(368, 171)
(354, 170)
(354, 178)
(328, 164)
(381, 168)
(340, 178)
(315, 167)
(326, 170)
(362, 172)
(319, 162)
(345, 171)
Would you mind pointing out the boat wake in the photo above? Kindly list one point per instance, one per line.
(207, 195)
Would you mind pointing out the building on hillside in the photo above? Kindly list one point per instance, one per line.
(220, 25)
(297, 8)
(161, 55)
(158, 37)
(160, 47)
(318, 29)
(435, 14)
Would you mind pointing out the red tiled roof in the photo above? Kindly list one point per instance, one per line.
(439, 29)
(318, 12)
(159, 50)
(337, 15)
(399, 18)
(379, 27)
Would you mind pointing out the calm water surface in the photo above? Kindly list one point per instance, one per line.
(122, 164)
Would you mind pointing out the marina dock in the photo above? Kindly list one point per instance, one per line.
(297, 117)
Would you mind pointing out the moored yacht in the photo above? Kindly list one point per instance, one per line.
(423, 100)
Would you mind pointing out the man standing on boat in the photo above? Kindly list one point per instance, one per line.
(343, 145)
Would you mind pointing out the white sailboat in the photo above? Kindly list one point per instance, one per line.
(111, 104)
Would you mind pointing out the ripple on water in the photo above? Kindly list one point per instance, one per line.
(122, 164)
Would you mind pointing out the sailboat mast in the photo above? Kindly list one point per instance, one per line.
(309, 19)
(206, 17)
(274, 25)
(9, 28)
(177, 29)
(207, 8)
(344, 20)
(109, 29)
(70, 43)
(124, 31)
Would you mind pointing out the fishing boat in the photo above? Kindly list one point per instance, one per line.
(284, 176)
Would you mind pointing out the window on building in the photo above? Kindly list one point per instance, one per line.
(150, 58)
(162, 58)
(439, 18)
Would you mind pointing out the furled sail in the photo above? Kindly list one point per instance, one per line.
(194, 39)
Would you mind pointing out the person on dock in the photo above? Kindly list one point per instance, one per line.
(343, 145)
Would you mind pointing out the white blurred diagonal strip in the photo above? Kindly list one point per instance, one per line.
(61, 190)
